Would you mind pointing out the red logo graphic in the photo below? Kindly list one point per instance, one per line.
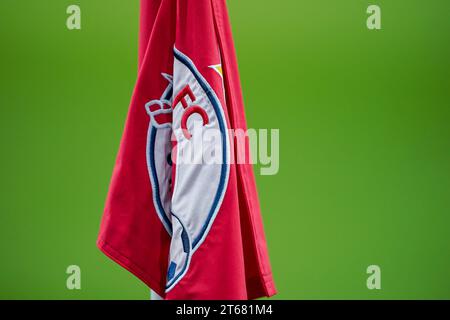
(189, 110)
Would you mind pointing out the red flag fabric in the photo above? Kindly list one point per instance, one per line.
(188, 229)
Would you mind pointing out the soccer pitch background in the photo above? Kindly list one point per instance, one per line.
(364, 120)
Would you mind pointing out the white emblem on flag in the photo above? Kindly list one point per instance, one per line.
(198, 188)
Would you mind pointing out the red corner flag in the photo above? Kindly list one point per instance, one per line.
(189, 229)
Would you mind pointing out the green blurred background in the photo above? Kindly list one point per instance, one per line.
(365, 143)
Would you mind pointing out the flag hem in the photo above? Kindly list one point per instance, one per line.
(129, 265)
(134, 269)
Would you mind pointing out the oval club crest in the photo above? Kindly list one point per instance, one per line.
(199, 188)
